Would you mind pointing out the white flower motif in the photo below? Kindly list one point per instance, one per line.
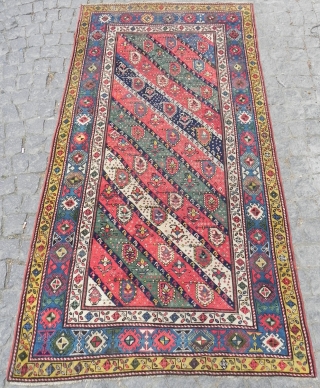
(105, 18)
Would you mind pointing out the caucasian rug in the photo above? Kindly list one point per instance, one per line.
(162, 243)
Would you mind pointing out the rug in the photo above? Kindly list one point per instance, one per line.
(161, 244)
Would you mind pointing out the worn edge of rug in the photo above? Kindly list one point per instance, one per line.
(264, 130)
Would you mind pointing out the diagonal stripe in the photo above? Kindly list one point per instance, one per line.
(216, 157)
(159, 98)
(131, 271)
(176, 232)
(208, 56)
(187, 224)
(128, 271)
(107, 298)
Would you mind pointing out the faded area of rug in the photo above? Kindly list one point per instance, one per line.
(162, 244)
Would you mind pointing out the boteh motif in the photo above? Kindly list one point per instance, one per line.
(202, 256)
(175, 201)
(137, 132)
(135, 57)
(121, 178)
(208, 168)
(124, 214)
(203, 136)
(165, 254)
(94, 296)
(158, 216)
(204, 294)
(211, 202)
(140, 165)
(166, 292)
(127, 291)
(162, 80)
(161, 243)
(129, 253)
(173, 137)
(172, 165)
(216, 236)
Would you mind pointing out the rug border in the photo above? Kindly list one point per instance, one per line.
(284, 203)
(50, 160)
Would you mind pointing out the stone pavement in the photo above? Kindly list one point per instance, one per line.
(36, 42)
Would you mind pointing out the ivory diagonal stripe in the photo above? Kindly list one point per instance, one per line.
(155, 269)
(184, 285)
(186, 242)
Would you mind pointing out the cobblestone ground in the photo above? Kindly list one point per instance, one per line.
(35, 49)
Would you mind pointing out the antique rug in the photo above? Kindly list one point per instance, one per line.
(162, 243)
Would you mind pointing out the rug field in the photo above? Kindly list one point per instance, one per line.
(162, 244)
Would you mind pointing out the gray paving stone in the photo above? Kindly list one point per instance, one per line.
(29, 204)
(12, 204)
(3, 273)
(12, 224)
(37, 163)
(32, 52)
(24, 81)
(52, 39)
(34, 125)
(35, 40)
(15, 273)
(9, 248)
(7, 185)
(9, 112)
(50, 51)
(37, 6)
(18, 97)
(13, 144)
(39, 17)
(28, 184)
(5, 168)
(52, 15)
